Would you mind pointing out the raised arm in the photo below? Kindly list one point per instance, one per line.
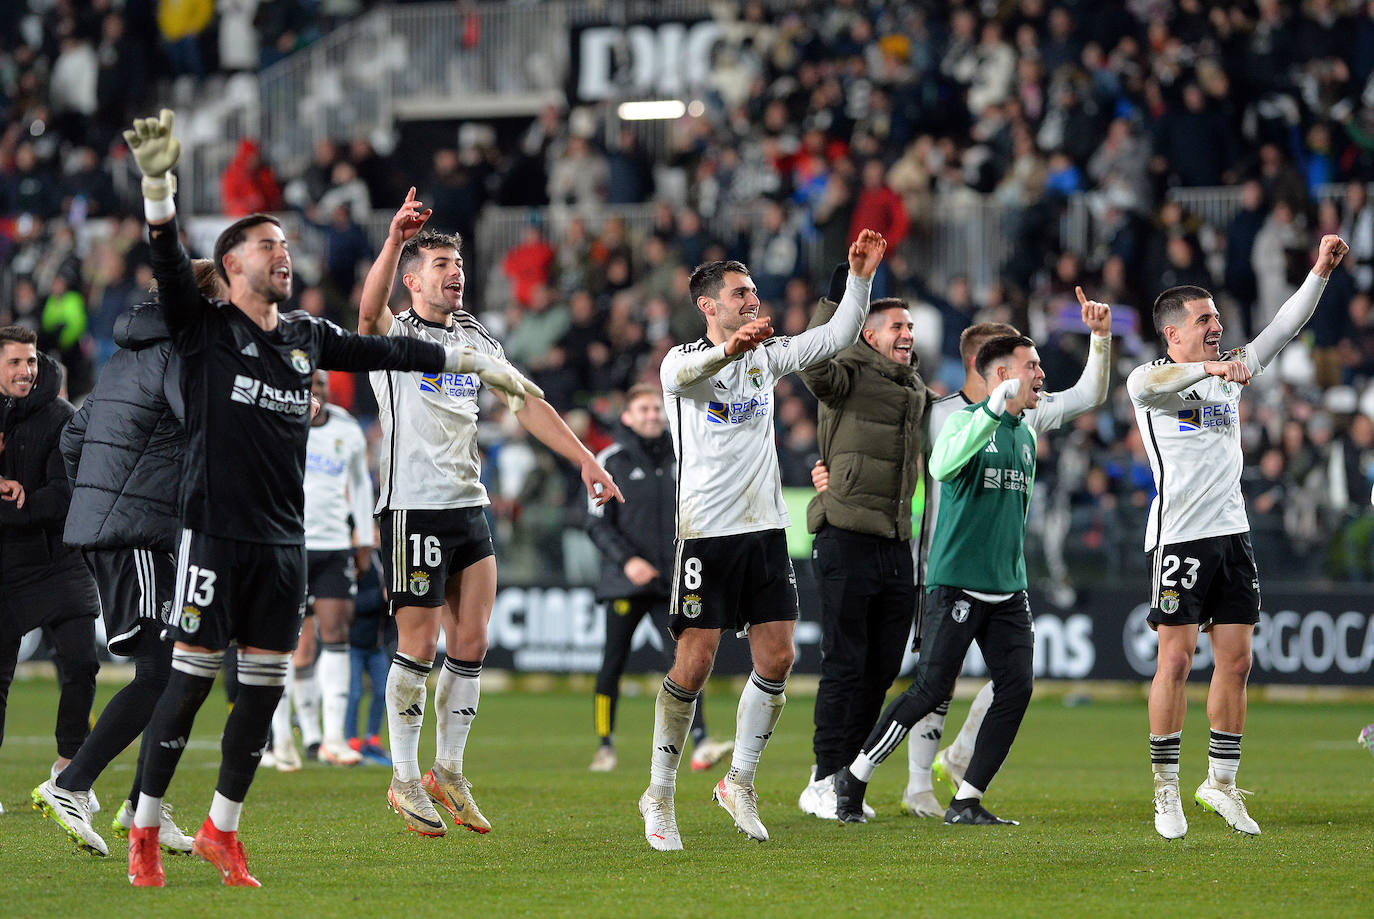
(826, 379)
(843, 328)
(374, 318)
(156, 150)
(1295, 312)
(1091, 389)
(548, 427)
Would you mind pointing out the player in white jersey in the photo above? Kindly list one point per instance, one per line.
(338, 539)
(436, 546)
(1051, 413)
(732, 570)
(1187, 405)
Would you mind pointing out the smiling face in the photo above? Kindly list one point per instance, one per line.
(18, 369)
(260, 265)
(644, 415)
(1197, 335)
(890, 333)
(736, 303)
(1023, 364)
(437, 282)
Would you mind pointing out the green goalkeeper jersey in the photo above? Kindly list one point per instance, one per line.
(986, 465)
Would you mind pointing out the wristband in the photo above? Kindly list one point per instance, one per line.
(159, 210)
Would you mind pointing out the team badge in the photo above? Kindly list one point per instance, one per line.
(300, 360)
(419, 583)
(756, 378)
(691, 606)
(1026, 454)
(1168, 602)
(190, 619)
(959, 612)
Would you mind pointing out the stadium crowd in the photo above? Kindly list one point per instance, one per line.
(819, 119)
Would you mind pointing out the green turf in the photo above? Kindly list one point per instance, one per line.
(569, 843)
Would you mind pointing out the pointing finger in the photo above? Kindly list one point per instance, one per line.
(1083, 300)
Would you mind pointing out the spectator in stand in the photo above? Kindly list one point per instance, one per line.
(578, 178)
(1240, 280)
(346, 190)
(629, 170)
(29, 187)
(181, 25)
(239, 48)
(249, 185)
(529, 263)
(1197, 144)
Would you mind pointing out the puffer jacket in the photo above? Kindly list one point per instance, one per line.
(31, 546)
(123, 450)
(871, 432)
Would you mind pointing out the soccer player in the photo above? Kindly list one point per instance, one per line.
(636, 545)
(732, 570)
(245, 383)
(1052, 411)
(436, 546)
(338, 540)
(985, 460)
(123, 454)
(1187, 405)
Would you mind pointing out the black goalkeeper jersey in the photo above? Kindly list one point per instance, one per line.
(247, 396)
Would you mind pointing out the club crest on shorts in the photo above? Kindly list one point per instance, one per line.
(190, 619)
(1168, 602)
(959, 612)
(419, 583)
(691, 606)
(300, 360)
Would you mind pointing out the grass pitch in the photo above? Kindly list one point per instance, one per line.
(567, 842)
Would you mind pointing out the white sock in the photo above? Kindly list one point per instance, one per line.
(224, 814)
(921, 746)
(306, 694)
(149, 811)
(455, 705)
(673, 710)
(961, 751)
(760, 706)
(406, 688)
(1223, 756)
(332, 674)
(967, 791)
(281, 718)
(863, 767)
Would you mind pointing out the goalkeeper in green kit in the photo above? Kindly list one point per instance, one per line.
(985, 460)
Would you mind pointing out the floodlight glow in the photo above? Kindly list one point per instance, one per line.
(651, 111)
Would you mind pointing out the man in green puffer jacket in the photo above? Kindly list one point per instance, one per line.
(872, 436)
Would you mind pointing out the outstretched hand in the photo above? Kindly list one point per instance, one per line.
(409, 220)
(866, 253)
(156, 149)
(1097, 316)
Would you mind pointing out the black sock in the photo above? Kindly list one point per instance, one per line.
(245, 735)
(170, 728)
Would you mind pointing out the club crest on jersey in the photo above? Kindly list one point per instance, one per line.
(454, 385)
(755, 377)
(1168, 602)
(691, 606)
(190, 620)
(959, 611)
(1026, 454)
(419, 583)
(300, 360)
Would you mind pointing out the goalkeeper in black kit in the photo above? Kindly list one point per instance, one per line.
(241, 559)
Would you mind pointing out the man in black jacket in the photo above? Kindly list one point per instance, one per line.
(636, 543)
(42, 582)
(123, 452)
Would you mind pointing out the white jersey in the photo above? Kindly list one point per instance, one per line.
(427, 457)
(1190, 423)
(1053, 410)
(721, 414)
(1193, 440)
(337, 484)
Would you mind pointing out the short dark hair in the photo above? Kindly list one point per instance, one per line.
(1170, 306)
(999, 349)
(427, 239)
(19, 334)
(235, 234)
(708, 278)
(978, 334)
(883, 304)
